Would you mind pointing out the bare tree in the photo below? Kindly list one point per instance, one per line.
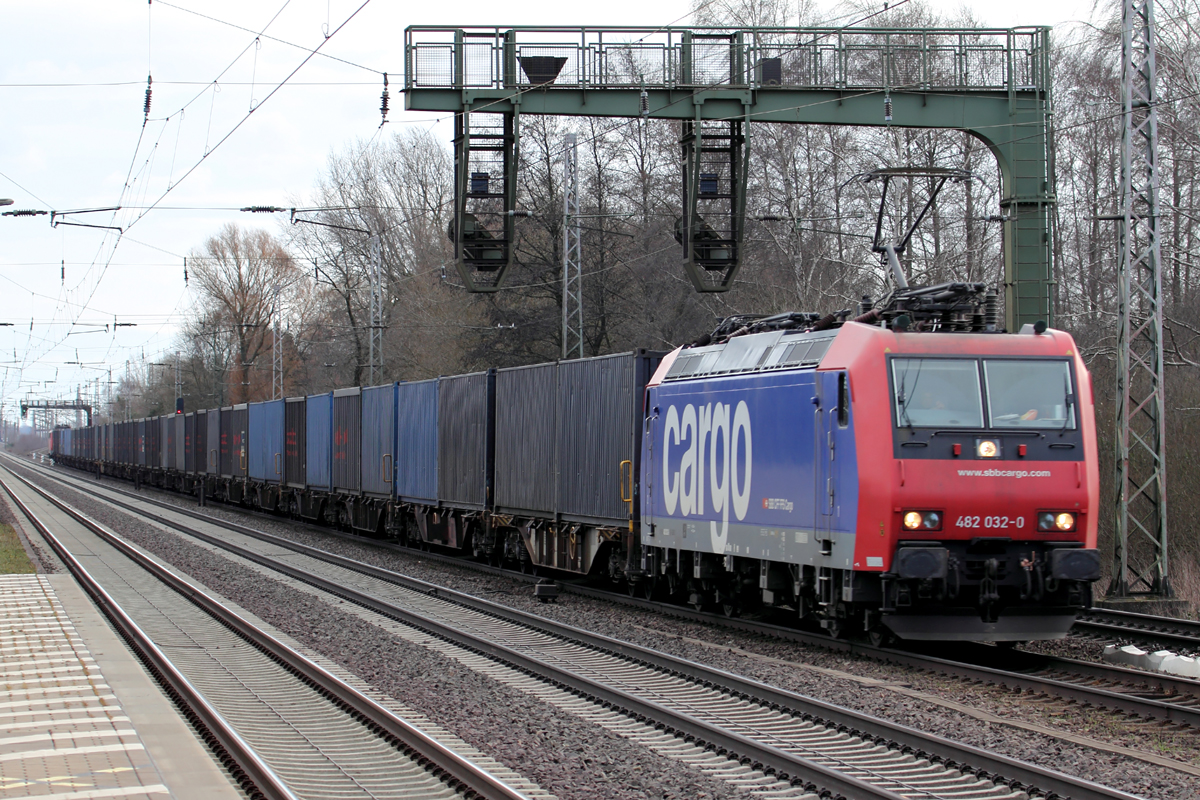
(242, 277)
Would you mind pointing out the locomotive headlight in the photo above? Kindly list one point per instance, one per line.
(987, 448)
(923, 521)
(1051, 521)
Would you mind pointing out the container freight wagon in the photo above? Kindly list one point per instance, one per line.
(567, 452)
(318, 458)
(168, 442)
(416, 480)
(347, 445)
(265, 445)
(465, 448)
(294, 452)
(189, 443)
(212, 458)
(377, 459)
(180, 426)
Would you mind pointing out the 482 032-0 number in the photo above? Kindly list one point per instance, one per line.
(969, 521)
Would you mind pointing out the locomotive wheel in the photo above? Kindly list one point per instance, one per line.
(880, 636)
(649, 587)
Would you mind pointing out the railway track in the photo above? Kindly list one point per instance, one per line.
(768, 737)
(1179, 633)
(286, 727)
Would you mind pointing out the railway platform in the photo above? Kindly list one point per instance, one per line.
(80, 718)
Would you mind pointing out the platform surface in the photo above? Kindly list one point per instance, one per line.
(80, 718)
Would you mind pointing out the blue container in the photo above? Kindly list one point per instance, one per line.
(140, 449)
(347, 440)
(417, 442)
(378, 439)
(318, 438)
(266, 441)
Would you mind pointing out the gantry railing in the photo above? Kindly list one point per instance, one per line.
(756, 58)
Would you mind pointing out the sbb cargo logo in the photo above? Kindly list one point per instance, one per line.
(713, 431)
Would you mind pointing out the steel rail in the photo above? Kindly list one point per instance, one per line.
(255, 775)
(455, 769)
(985, 765)
(1146, 626)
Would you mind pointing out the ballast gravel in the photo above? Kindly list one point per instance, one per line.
(577, 760)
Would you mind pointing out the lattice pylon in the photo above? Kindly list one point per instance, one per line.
(572, 303)
(1140, 556)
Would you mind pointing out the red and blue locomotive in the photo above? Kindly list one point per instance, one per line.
(912, 473)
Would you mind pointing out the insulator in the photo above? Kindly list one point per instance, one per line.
(146, 108)
(991, 304)
(645, 103)
(383, 100)
(887, 108)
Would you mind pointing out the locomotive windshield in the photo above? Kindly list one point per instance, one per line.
(949, 393)
(937, 392)
(1029, 394)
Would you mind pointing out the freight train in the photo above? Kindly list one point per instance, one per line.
(904, 469)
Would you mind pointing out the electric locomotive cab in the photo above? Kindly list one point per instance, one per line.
(993, 502)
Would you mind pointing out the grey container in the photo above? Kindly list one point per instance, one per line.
(378, 439)
(140, 455)
(212, 454)
(567, 437)
(235, 426)
(180, 438)
(189, 439)
(347, 440)
(294, 444)
(466, 443)
(526, 432)
(417, 442)
(600, 412)
(167, 441)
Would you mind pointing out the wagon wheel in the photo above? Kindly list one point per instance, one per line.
(649, 587)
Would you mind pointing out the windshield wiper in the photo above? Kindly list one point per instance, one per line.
(904, 401)
(1068, 401)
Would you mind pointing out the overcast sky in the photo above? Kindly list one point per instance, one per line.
(72, 86)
